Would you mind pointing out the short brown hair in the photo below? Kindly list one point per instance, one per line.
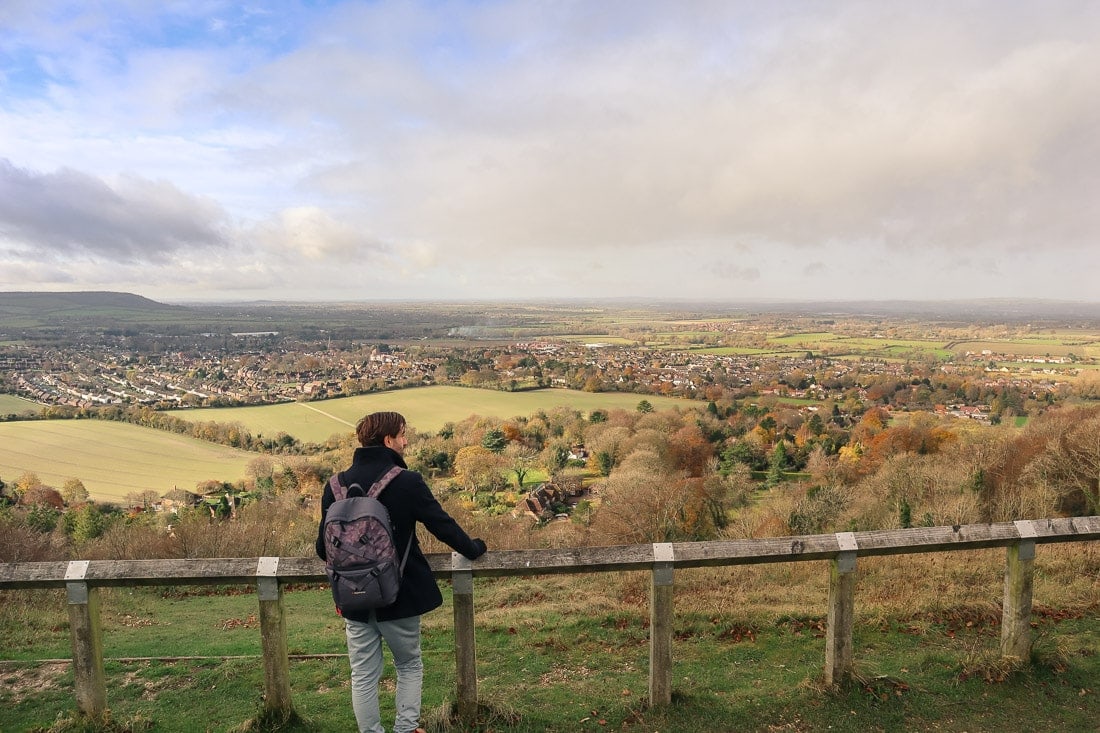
(373, 428)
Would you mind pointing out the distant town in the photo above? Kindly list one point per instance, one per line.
(211, 369)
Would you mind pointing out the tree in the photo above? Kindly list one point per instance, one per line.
(776, 465)
(41, 494)
(73, 492)
(1071, 461)
(645, 406)
(645, 500)
(638, 500)
(144, 499)
(691, 450)
(604, 462)
(742, 452)
(555, 456)
(477, 468)
(494, 440)
(42, 518)
(429, 457)
(519, 459)
(606, 443)
(88, 523)
(28, 480)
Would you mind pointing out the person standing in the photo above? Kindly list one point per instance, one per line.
(409, 500)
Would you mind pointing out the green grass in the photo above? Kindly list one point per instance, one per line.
(12, 405)
(113, 459)
(886, 348)
(735, 351)
(427, 409)
(1027, 347)
(595, 339)
(550, 659)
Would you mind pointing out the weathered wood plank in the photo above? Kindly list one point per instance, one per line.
(661, 626)
(557, 560)
(1016, 612)
(277, 697)
(199, 571)
(752, 551)
(33, 574)
(841, 615)
(465, 647)
(86, 635)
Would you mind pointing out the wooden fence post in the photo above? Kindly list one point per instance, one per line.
(660, 625)
(462, 578)
(87, 639)
(277, 697)
(842, 595)
(1019, 577)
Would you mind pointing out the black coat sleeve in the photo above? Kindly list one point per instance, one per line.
(326, 501)
(429, 512)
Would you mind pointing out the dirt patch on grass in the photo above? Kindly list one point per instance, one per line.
(21, 682)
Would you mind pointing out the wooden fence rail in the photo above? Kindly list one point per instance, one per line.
(82, 578)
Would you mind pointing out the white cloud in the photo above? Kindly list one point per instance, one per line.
(312, 233)
(517, 149)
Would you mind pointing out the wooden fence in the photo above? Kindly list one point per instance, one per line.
(82, 578)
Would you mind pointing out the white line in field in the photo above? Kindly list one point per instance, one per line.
(311, 407)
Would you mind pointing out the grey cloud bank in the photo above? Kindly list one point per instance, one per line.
(722, 150)
(71, 213)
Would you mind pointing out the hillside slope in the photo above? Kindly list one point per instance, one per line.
(23, 309)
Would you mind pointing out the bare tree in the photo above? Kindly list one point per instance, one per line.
(1071, 462)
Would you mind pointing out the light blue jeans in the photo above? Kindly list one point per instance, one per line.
(402, 636)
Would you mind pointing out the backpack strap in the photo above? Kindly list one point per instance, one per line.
(339, 491)
(376, 489)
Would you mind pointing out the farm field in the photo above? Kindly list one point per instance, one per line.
(113, 459)
(863, 346)
(838, 347)
(116, 459)
(596, 339)
(1078, 344)
(12, 405)
(426, 408)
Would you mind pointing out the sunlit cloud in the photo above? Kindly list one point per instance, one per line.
(516, 149)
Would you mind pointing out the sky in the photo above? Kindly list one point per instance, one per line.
(210, 150)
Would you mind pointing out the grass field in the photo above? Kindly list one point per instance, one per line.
(805, 340)
(116, 459)
(1081, 345)
(427, 409)
(113, 459)
(12, 405)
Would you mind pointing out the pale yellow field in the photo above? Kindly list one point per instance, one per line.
(116, 459)
(113, 459)
(426, 408)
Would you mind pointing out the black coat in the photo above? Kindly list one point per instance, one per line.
(408, 500)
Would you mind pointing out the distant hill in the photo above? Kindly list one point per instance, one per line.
(29, 309)
(77, 299)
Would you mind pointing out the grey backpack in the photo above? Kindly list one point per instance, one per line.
(360, 557)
